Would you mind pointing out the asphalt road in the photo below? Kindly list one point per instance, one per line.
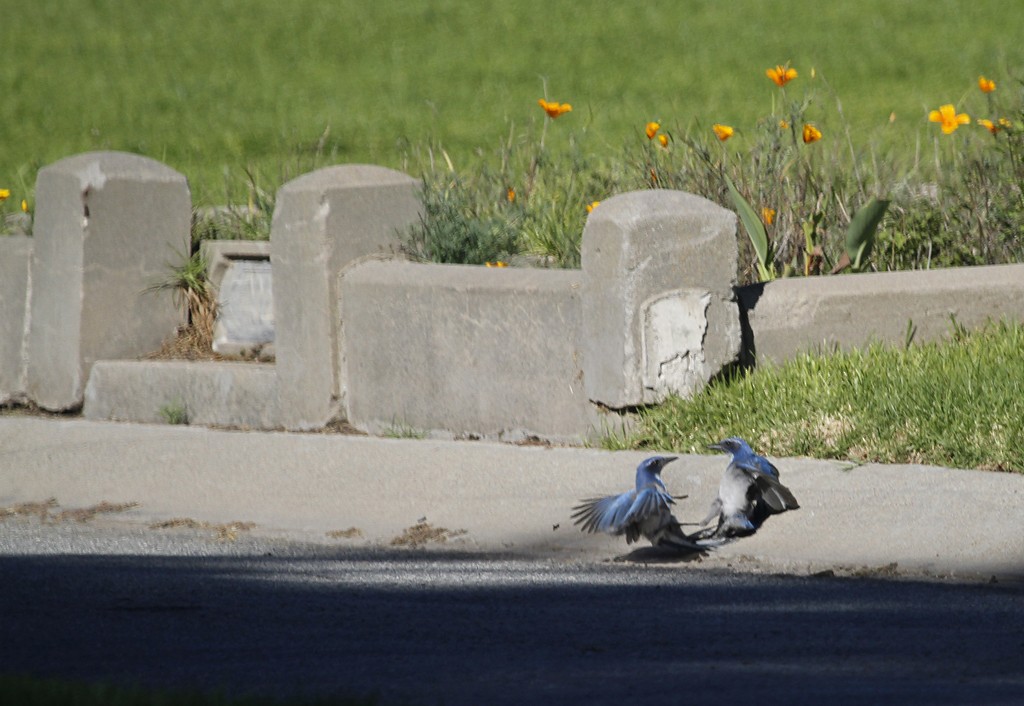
(183, 609)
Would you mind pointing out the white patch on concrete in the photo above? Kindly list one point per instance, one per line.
(92, 177)
(245, 312)
(674, 326)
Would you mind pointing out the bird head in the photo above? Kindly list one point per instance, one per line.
(732, 445)
(654, 464)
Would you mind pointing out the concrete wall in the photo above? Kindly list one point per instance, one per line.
(468, 351)
(15, 256)
(400, 347)
(323, 221)
(791, 316)
(208, 393)
(107, 226)
(659, 312)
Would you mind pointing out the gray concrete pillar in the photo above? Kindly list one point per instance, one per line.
(322, 222)
(659, 315)
(108, 226)
(15, 255)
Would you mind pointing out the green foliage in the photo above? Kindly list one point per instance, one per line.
(755, 231)
(174, 413)
(957, 403)
(373, 82)
(204, 86)
(860, 236)
(191, 289)
(460, 226)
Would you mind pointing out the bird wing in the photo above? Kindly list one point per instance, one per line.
(607, 514)
(775, 494)
(757, 466)
(649, 501)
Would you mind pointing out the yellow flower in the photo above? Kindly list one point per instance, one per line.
(989, 125)
(511, 195)
(986, 85)
(768, 215)
(499, 263)
(592, 206)
(781, 75)
(783, 125)
(1003, 122)
(722, 132)
(554, 109)
(811, 134)
(948, 117)
(663, 140)
(24, 206)
(652, 130)
(5, 194)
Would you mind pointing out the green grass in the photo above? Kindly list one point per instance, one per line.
(957, 403)
(212, 88)
(31, 691)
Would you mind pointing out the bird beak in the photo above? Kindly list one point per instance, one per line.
(716, 447)
(670, 459)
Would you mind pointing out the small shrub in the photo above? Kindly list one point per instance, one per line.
(457, 228)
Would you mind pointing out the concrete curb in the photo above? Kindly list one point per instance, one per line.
(870, 519)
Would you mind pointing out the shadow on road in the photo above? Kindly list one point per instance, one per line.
(420, 627)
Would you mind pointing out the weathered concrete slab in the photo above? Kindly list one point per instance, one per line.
(108, 227)
(791, 316)
(871, 519)
(240, 273)
(232, 394)
(15, 256)
(466, 351)
(649, 258)
(322, 222)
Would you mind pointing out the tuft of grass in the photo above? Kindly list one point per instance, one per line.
(174, 413)
(401, 430)
(956, 403)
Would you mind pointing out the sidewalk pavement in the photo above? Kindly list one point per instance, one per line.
(873, 519)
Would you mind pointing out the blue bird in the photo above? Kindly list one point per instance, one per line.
(750, 491)
(645, 511)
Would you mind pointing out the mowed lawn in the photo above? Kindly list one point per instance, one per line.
(215, 87)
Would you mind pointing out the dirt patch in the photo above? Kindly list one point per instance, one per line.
(424, 533)
(40, 510)
(85, 514)
(45, 511)
(350, 533)
(225, 532)
(191, 342)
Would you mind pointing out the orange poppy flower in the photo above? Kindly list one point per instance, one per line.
(768, 215)
(722, 132)
(663, 140)
(781, 75)
(592, 206)
(554, 109)
(811, 134)
(986, 85)
(511, 195)
(948, 118)
(652, 129)
(499, 263)
(989, 125)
